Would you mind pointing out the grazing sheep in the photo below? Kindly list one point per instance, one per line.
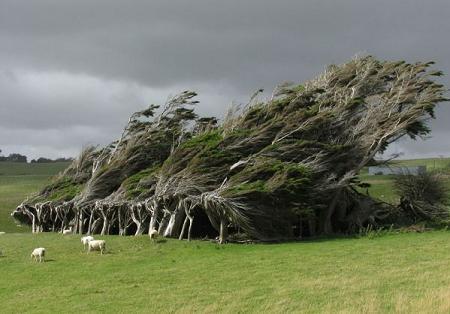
(38, 253)
(154, 234)
(97, 245)
(86, 240)
(67, 231)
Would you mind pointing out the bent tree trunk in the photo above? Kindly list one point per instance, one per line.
(183, 228)
(96, 225)
(188, 219)
(164, 222)
(191, 222)
(105, 227)
(175, 221)
(91, 218)
(223, 235)
(154, 219)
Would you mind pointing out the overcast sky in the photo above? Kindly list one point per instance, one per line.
(71, 72)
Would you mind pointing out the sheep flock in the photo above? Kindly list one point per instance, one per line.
(88, 242)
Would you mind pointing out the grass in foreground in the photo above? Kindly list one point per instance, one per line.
(394, 273)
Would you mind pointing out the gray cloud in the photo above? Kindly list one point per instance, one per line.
(73, 71)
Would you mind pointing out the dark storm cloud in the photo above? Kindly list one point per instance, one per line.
(86, 65)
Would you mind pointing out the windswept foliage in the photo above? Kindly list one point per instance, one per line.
(422, 197)
(279, 168)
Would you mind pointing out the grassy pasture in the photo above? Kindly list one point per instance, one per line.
(404, 273)
(17, 180)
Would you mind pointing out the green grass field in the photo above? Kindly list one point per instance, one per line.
(405, 273)
(17, 181)
(402, 273)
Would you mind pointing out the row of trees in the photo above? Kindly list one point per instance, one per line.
(43, 160)
(122, 217)
(23, 159)
(13, 157)
(271, 169)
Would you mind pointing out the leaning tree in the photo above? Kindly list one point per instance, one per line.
(271, 169)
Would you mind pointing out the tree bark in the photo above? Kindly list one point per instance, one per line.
(223, 231)
(183, 228)
(96, 225)
(191, 222)
(105, 225)
(164, 222)
(174, 225)
(80, 223)
(153, 219)
(91, 218)
(33, 224)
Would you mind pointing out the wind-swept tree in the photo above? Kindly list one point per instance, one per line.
(279, 168)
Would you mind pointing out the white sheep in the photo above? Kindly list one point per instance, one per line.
(85, 240)
(97, 245)
(153, 234)
(67, 231)
(2, 232)
(38, 253)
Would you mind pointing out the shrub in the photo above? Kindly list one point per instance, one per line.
(423, 197)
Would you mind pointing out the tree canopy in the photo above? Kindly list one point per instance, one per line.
(271, 169)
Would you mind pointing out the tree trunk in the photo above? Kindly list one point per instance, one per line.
(54, 224)
(80, 223)
(223, 235)
(91, 218)
(186, 219)
(33, 224)
(76, 220)
(153, 220)
(105, 225)
(164, 222)
(191, 222)
(120, 218)
(96, 225)
(169, 227)
(139, 229)
(173, 227)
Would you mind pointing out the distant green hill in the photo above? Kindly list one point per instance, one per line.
(17, 180)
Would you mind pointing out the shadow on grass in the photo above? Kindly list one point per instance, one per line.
(50, 260)
(317, 239)
(98, 253)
